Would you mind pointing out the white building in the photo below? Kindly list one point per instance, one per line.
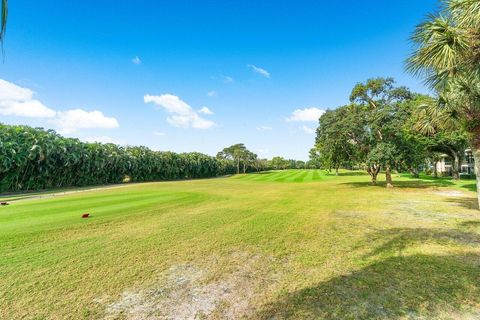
(467, 167)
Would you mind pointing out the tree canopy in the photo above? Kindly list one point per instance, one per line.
(447, 57)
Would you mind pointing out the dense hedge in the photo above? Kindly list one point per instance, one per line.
(34, 158)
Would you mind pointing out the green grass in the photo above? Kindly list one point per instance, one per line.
(286, 244)
(285, 176)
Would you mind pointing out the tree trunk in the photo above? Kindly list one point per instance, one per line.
(388, 177)
(455, 164)
(415, 172)
(238, 165)
(336, 171)
(373, 172)
(455, 167)
(244, 167)
(435, 170)
(476, 158)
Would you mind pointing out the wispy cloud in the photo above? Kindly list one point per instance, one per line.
(264, 128)
(182, 115)
(19, 101)
(306, 115)
(136, 60)
(158, 133)
(205, 110)
(259, 70)
(212, 93)
(307, 130)
(228, 79)
(71, 121)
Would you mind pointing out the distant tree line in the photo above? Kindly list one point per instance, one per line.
(35, 159)
(246, 161)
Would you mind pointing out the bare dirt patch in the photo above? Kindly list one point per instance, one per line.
(187, 291)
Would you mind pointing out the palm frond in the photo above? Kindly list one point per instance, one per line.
(3, 21)
(466, 13)
(434, 115)
(440, 46)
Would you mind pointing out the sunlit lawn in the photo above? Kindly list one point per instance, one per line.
(289, 244)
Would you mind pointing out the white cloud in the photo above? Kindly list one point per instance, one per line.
(259, 70)
(228, 79)
(307, 130)
(182, 115)
(101, 139)
(205, 110)
(71, 120)
(18, 101)
(306, 115)
(264, 128)
(158, 133)
(212, 93)
(136, 60)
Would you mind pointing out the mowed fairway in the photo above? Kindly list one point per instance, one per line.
(284, 244)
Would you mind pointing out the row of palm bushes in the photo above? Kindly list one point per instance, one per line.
(33, 159)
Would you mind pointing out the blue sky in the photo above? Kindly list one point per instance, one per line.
(139, 72)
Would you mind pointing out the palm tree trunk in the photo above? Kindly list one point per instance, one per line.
(476, 158)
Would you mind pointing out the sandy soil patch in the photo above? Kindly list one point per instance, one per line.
(187, 291)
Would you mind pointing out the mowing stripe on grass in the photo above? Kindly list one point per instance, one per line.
(296, 176)
(309, 177)
(300, 177)
(316, 175)
(290, 175)
(284, 176)
(248, 177)
(267, 177)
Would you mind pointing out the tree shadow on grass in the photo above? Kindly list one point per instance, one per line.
(397, 287)
(469, 187)
(400, 239)
(415, 184)
(349, 174)
(447, 181)
(417, 286)
(468, 203)
(470, 224)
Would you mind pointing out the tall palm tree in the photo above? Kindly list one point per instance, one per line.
(3, 20)
(447, 56)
